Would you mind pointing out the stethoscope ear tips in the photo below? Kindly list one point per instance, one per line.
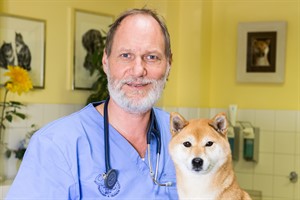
(110, 178)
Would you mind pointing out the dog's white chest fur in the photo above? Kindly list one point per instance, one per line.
(263, 60)
(197, 187)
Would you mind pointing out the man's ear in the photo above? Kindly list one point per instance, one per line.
(105, 61)
(171, 60)
(177, 123)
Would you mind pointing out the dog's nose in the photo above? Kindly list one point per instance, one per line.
(197, 163)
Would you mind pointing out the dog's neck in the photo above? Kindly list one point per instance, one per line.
(263, 59)
(208, 186)
(197, 186)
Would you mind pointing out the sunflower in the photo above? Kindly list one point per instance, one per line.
(19, 80)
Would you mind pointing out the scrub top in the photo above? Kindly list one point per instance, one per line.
(65, 160)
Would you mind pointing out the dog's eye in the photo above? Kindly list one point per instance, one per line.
(209, 144)
(187, 144)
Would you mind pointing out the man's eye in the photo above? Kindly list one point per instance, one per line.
(151, 58)
(125, 55)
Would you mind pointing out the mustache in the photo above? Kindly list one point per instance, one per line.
(135, 81)
(140, 80)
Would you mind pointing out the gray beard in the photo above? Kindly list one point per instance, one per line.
(132, 105)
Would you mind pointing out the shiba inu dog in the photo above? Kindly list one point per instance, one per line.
(201, 154)
(260, 53)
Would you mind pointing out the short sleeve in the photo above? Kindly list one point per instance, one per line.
(44, 173)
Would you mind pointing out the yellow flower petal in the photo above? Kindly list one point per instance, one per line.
(19, 80)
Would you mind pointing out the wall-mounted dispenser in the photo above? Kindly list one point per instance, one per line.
(233, 135)
(250, 136)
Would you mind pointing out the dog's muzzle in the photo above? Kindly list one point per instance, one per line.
(197, 164)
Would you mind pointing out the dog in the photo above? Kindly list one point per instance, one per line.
(201, 154)
(92, 42)
(260, 51)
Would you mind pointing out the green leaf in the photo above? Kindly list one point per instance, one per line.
(21, 115)
(9, 118)
(7, 153)
(16, 103)
(20, 153)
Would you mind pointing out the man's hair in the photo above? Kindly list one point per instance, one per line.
(143, 11)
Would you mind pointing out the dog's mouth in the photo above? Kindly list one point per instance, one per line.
(197, 164)
(197, 169)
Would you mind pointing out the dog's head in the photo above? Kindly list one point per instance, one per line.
(92, 41)
(261, 47)
(200, 145)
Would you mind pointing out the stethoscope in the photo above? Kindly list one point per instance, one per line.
(111, 175)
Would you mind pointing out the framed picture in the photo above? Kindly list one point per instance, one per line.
(261, 52)
(23, 44)
(89, 28)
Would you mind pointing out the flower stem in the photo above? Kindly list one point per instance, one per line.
(2, 115)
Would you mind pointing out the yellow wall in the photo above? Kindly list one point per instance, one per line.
(192, 58)
(204, 41)
(207, 50)
(224, 88)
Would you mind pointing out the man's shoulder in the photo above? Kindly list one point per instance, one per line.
(161, 112)
(68, 124)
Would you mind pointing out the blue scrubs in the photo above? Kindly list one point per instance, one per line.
(65, 160)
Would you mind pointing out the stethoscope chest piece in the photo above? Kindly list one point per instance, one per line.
(110, 178)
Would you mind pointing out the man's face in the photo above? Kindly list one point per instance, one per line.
(137, 67)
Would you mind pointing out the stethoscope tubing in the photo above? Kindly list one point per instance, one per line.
(111, 175)
(106, 137)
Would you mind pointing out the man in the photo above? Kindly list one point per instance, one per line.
(69, 158)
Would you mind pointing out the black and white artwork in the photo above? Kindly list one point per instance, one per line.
(22, 43)
(89, 28)
(15, 53)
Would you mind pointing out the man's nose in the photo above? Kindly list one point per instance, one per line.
(139, 68)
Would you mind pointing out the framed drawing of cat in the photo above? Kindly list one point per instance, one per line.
(22, 43)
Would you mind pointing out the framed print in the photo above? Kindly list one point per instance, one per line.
(23, 44)
(261, 52)
(90, 29)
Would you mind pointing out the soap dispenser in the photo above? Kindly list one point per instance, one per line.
(233, 139)
(249, 137)
(250, 142)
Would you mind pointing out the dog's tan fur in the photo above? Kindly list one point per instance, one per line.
(260, 52)
(201, 153)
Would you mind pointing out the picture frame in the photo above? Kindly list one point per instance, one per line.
(23, 44)
(87, 25)
(261, 52)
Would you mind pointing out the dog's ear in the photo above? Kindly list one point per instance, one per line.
(220, 123)
(177, 123)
